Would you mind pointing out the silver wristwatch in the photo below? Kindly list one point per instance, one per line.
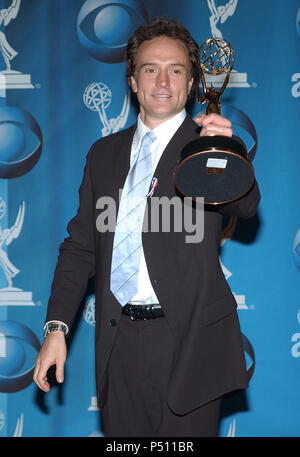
(51, 327)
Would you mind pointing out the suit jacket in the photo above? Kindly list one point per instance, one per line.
(208, 357)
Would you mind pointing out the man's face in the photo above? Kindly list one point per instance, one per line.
(162, 80)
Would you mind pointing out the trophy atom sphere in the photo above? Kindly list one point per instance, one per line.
(216, 56)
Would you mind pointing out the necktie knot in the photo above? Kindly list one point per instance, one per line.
(148, 138)
(146, 143)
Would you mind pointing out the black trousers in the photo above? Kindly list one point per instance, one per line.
(138, 375)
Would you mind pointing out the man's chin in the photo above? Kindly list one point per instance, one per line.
(156, 117)
(164, 114)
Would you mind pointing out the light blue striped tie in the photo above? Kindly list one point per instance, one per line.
(128, 234)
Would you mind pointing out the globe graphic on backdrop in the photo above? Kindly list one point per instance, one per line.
(296, 249)
(89, 310)
(97, 95)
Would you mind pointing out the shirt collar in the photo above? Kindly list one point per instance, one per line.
(163, 132)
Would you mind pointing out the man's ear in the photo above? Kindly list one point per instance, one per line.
(190, 84)
(133, 84)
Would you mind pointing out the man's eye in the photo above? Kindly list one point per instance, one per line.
(176, 71)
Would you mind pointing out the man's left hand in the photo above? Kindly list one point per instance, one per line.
(214, 124)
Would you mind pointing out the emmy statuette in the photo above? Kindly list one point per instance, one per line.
(214, 167)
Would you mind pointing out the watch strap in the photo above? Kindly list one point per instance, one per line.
(52, 327)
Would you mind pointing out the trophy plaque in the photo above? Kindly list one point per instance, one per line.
(214, 167)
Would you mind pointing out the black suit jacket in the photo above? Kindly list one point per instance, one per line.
(208, 357)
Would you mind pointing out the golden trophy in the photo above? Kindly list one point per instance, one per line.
(214, 167)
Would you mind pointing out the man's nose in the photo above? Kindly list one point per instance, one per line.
(163, 78)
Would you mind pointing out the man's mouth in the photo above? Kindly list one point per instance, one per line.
(161, 96)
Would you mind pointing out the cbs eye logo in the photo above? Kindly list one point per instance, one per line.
(18, 350)
(20, 142)
(296, 249)
(249, 356)
(104, 27)
(298, 22)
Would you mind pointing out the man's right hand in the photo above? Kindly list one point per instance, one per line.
(53, 352)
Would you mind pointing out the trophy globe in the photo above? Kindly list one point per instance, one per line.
(216, 57)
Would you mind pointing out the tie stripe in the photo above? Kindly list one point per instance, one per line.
(124, 283)
(127, 235)
(136, 185)
(129, 255)
(143, 158)
(136, 208)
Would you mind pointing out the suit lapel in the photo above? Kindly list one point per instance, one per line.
(120, 163)
(171, 155)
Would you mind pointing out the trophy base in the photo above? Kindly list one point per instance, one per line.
(10, 79)
(11, 296)
(215, 168)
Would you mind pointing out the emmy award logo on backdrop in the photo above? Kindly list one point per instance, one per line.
(97, 97)
(89, 310)
(9, 295)
(220, 14)
(20, 421)
(11, 79)
(227, 234)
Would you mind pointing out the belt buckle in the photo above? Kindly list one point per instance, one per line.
(150, 311)
(131, 313)
(142, 312)
(139, 311)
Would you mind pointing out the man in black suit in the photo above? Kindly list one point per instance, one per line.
(169, 346)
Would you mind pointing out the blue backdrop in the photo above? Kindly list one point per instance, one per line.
(62, 86)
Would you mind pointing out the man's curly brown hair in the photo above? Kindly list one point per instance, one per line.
(162, 26)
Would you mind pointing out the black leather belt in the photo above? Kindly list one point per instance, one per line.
(142, 312)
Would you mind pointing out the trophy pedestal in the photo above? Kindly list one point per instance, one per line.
(236, 79)
(10, 79)
(11, 296)
(215, 168)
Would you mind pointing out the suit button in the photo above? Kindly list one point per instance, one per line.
(113, 322)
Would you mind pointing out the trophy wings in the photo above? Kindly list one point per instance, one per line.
(12, 11)
(14, 231)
